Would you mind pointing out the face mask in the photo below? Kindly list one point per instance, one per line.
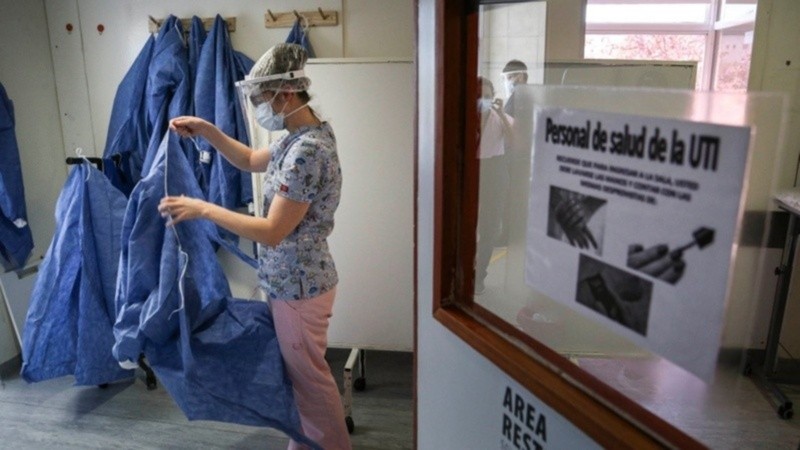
(267, 118)
(509, 84)
(270, 120)
(484, 104)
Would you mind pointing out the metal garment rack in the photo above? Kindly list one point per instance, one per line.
(764, 368)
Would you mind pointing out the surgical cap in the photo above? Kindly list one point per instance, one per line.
(515, 65)
(282, 59)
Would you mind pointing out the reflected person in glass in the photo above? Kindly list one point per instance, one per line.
(495, 132)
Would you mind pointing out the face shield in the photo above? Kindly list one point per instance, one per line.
(511, 79)
(257, 93)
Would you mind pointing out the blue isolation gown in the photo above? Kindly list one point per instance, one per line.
(68, 329)
(16, 241)
(217, 356)
(197, 36)
(299, 36)
(216, 101)
(168, 92)
(128, 129)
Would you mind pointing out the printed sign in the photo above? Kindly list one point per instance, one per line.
(529, 424)
(632, 221)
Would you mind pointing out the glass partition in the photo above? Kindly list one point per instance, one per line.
(563, 279)
(610, 248)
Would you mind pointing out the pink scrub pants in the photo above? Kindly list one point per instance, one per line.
(302, 329)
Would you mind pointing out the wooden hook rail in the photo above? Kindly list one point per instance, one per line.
(153, 24)
(318, 18)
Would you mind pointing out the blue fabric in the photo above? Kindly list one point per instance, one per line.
(168, 92)
(197, 36)
(299, 36)
(216, 101)
(68, 330)
(16, 241)
(155, 89)
(217, 356)
(128, 129)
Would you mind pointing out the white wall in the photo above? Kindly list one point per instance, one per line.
(377, 28)
(370, 105)
(776, 67)
(26, 71)
(566, 29)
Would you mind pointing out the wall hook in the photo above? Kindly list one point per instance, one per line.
(312, 18)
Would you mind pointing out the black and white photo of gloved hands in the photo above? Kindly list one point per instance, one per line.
(657, 261)
(572, 213)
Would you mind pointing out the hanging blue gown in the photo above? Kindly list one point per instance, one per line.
(197, 36)
(129, 130)
(216, 101)
(217, 356)
(299, 36)
(68, 329)
(168, 93)
(16, 241)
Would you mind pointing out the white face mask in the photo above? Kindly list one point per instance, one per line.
(509, 85)
(484, 104)
(269, 119)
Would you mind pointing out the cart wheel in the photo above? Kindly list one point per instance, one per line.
(360, 384)
(102, 386)
(350, 425)
(785, 411)
(151, 383)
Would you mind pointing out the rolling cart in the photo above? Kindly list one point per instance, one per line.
(356, 357)
(762, 365)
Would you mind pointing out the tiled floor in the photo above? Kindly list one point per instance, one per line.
(56, 415)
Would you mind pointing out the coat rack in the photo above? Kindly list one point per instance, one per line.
(318, 18)
(153, 24)
(72, 160)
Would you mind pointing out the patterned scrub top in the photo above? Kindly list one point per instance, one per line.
(304, 167)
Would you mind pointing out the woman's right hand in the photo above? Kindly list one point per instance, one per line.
(190, 126)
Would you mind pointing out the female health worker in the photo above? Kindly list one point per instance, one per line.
(301, 193)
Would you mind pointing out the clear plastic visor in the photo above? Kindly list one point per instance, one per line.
(253, 91)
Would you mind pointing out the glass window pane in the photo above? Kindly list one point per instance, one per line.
(511, 52)
(738, 11)
(733, 62)
(659, 47)
(672, 13)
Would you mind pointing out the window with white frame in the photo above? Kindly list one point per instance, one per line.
(718, 34)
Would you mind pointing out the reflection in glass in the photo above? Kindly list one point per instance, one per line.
(511, 54)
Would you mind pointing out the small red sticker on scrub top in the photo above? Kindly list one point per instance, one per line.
(284, 188)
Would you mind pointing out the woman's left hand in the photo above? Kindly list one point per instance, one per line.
(181, 208)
